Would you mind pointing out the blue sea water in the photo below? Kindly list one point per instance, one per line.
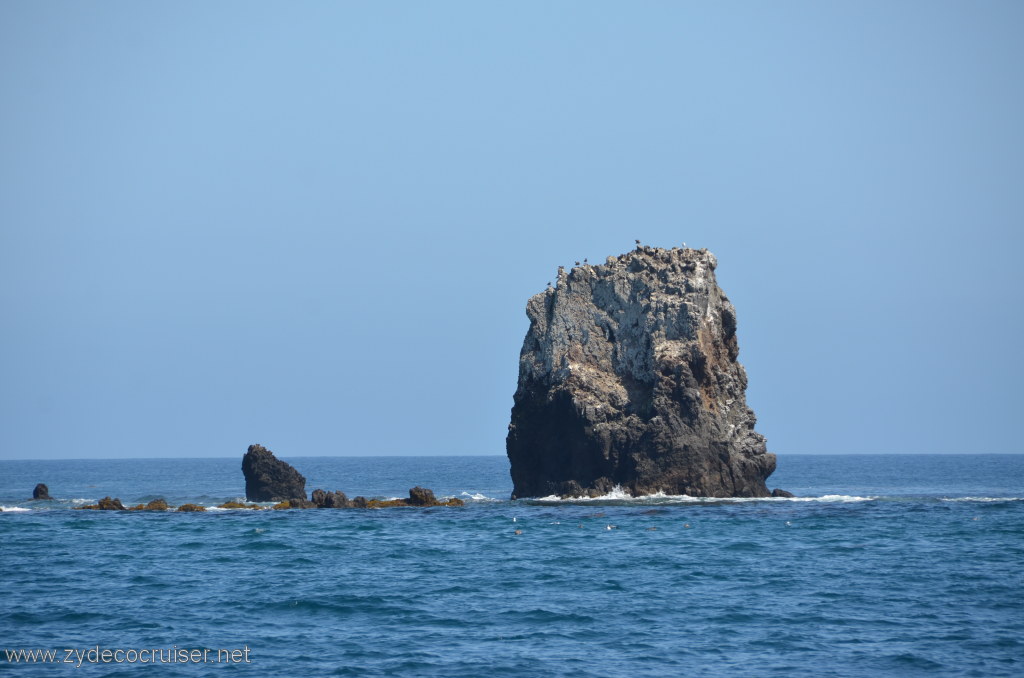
(884, 566)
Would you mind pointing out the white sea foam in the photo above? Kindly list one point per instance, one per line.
(14, 509)
(477, 496)
(619, 495)
(981, 499)
(840, 498)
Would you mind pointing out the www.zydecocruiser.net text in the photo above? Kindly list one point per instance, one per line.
(149, 655)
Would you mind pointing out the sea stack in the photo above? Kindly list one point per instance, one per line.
(41, 493)
(267, 478)
(628, 378)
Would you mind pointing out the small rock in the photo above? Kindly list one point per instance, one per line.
(781, 493)
(336, 499)
(108, 504)
(191, 508)
(421, 496)
(41, 493)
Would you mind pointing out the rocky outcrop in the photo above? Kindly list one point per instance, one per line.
(267, 478)
(41, 493)
(628, 377)
(336, 499)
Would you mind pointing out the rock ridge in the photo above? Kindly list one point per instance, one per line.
(628, 377)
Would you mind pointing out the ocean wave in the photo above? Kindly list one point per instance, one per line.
(618, 495)
(14, 509)
(477, 496)
(840, 498)
(981, 499)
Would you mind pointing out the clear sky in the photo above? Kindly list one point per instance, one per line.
(315, 225)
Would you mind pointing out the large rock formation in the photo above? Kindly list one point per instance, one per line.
(628, 377)
(267, 478)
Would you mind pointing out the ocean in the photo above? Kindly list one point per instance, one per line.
(892, 565)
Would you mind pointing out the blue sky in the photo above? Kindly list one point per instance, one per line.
(315, 225)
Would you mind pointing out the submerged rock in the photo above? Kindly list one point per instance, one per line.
(105, 504)
(239, 505)
(155, 505)
(267, 478)
(418, 497)
(41, 493)
(191, 508)
(628, 377)
(782, 493)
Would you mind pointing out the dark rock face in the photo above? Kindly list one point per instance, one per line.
(781, 493)
(267, 478)
(41, 493)
(108, 504)
(421, 496)
(336, 499)
(628, 377)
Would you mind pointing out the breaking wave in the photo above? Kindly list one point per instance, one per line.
(618, 495)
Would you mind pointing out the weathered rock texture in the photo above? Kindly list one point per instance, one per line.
(336, 499)
(41, 492)
(628, 377)
(267, 478)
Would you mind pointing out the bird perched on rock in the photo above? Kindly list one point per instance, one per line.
(577, 263)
